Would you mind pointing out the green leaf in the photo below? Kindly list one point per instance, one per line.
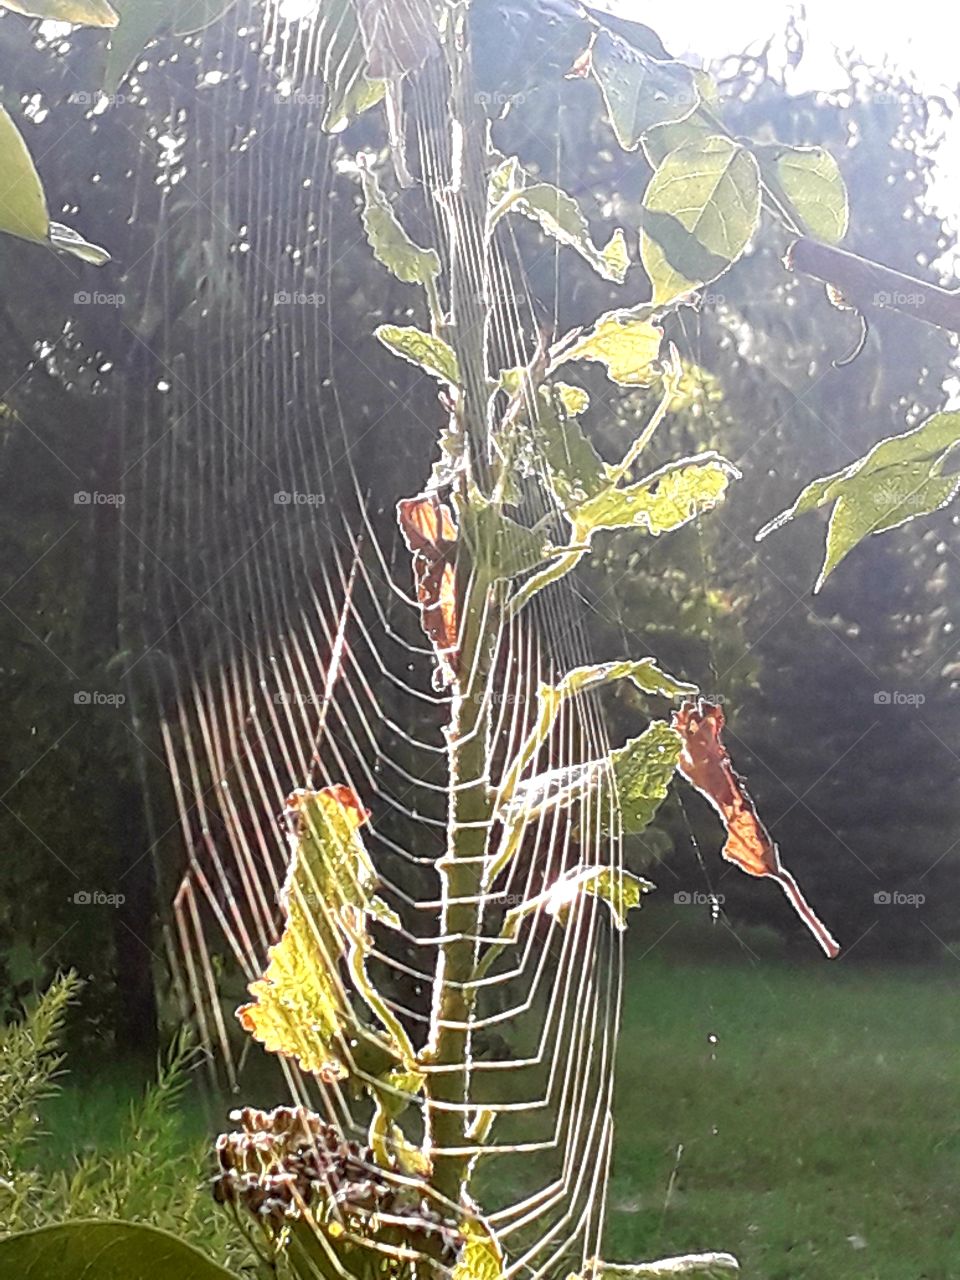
(640, 91)
(432, 354)
(300, 1008)
(144, 20)
(897, 481)
(642, 771)
(700, 1266)
(643, 673)
(389, 241)
(808, 181)
(500, 548)
(574, 469)
(639, 773)
(663, 501)
(97, 1249)
(626, 342)
(519, 800)
(85, 13)
(23, 206)
(558, 215)
(621, 890)
(664, 138)
(699, 211)
(69, 241)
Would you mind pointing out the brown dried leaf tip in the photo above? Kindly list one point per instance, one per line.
(429, 531)
(706, 765)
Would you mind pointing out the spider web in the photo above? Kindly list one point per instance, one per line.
(279, 595)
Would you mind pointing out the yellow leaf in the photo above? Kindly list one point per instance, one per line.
(481, 1257)
(300, 1007)
(627, 342)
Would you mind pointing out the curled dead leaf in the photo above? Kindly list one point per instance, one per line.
(706, 765)
(429, 531)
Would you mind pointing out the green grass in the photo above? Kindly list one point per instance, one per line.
(820, 1133)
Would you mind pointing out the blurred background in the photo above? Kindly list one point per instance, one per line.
(799, 1113)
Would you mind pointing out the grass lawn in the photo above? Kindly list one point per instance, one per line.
(820, 1133)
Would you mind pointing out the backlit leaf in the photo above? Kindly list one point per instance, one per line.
(626, 342)
(640, 91)
(69, 241)
(706, 765)
(480, 1257)
(639, 772)
(619, 889)
(897, 481)
(144, 20)
(23, 206)
(500, 548)
(86, 13)
(808, 181)
(642, 771)
(558, 215)
(699, 211)
(429, 531)
(299, 1007)
(664, 138)
(642, 672)
(663, 501)
(350, 91)
(389, 241)
(432, 354)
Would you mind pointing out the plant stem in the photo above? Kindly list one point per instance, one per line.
(461, 870)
